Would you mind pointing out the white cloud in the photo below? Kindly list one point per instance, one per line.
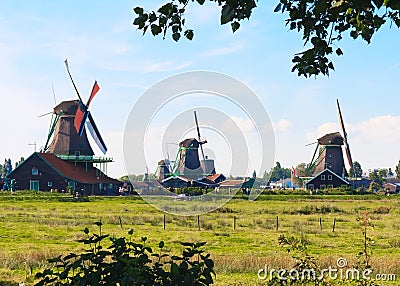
(283, 125)
(325, 128)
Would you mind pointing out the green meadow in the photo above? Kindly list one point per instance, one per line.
(242, 236)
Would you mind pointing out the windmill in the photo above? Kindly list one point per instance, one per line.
(330, 155)
(68, 126)
(187, 163)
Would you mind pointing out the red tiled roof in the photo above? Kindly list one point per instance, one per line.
(76, 172)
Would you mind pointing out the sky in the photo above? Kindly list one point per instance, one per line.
(100, 43)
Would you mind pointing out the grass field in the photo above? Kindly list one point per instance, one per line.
(34, 227)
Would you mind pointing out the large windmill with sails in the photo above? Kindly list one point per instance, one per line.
(68, 162)
(328, 166)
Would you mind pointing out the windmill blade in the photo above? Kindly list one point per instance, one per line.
(80, 118)
(95, 89)
(198, 134)
(54, 95)
(51, 130)
(312, 163)
(309, 144)
(346, 143)
(46, 114)
(96, 134)
(72, 80)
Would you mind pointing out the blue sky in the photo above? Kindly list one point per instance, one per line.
(101, 43)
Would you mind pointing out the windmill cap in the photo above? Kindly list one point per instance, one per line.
(68, 107)
(190, 142)
(331, 139)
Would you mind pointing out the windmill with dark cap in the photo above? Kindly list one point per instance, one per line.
(329, 166)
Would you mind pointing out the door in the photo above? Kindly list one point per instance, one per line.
(34, 185)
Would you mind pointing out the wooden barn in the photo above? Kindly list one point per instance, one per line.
(326, 179)
(47, 172)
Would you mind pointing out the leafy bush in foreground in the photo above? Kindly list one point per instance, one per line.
(125, 262)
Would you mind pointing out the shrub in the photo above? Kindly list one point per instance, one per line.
(125, 262)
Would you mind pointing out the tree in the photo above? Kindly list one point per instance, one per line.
(378, 176)
(278, 173)
(397, 170)
(356, 171)
(7, 167)
(323, 24)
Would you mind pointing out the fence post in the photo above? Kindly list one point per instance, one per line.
(164, 221)
(198, 222)
(234, 222)
(320, 224)
(120, 222)
(334, 224)
(277, 222)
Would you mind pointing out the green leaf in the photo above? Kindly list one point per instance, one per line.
(152, 17)
(98, 223)
(226, 14)
(201, 2)
(235, 26)
(166, 9)
(161, 244)
(278, 7)
(130, 232)
(86, 230)
(155, 29)
(339, 52)
(138, 10)
(189, 34)
(176, 36)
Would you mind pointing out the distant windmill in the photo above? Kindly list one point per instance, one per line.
(330, 152)
(68, 126)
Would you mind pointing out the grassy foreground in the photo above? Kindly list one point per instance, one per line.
(35, 227)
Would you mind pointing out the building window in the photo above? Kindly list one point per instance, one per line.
(34, 185)
(329, 177)
(49, 184)
(330, 186)
(77, 153)
(322, 177)
(35, 171)
(322, 187)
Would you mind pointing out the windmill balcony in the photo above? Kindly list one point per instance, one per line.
(85, 158)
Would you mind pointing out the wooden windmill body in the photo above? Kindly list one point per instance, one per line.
(66, 140)
(331, 154)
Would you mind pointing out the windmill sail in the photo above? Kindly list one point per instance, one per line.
(95, 89)
(80, 118)
(198, 134)
(96, 134)
(82, 114)
(346, 144)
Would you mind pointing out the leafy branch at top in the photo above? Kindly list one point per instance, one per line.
(322, 24)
